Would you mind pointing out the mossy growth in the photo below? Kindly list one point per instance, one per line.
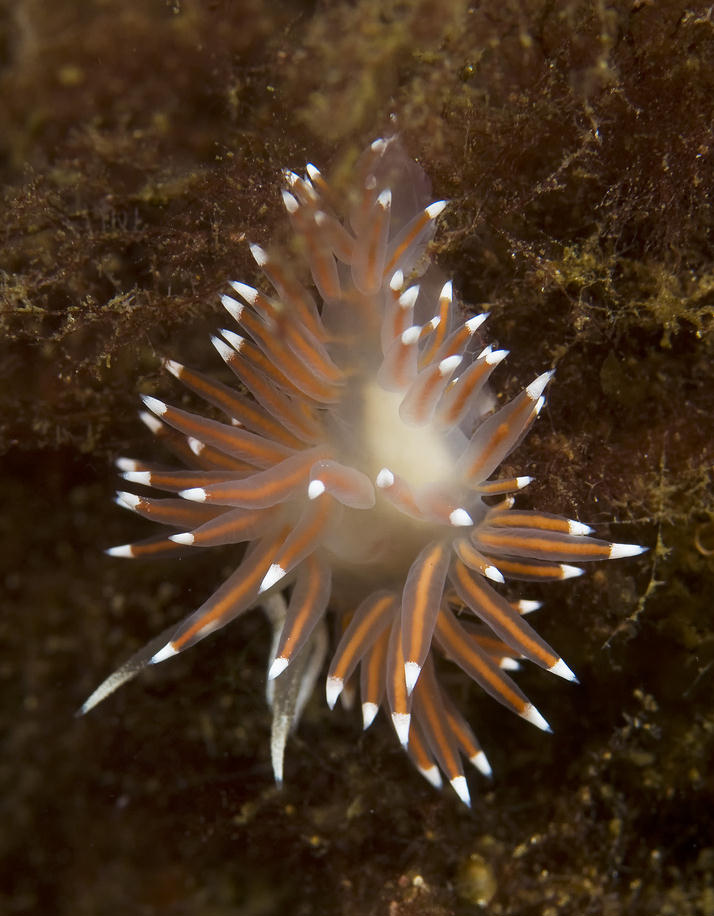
(141, 147)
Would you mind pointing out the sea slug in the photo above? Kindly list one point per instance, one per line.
(358, 462)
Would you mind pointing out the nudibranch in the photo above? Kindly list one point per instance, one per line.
(357, 460)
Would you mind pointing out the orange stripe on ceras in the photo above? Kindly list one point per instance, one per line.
(516, 627)
(265, 364)
(464, 386)
(452, 636)
(469, 555)
(501, 432)
(397, 682)
(373, 670)
(514, 519)
(423, 605)
(377, 227)
(321, 370)
(183, 480)
(418, 748)
(298, 298)
(334, 234)
(440, 331)
(257, 565)
(302, 617)
(299, 376)
(432, 712)
(175, 512)
(291, 412)
(154, 548)
(313, 355)
(230, 403)
(457, 341)
(461, 731)
(268, 484)
(306, 533)
(577, 548)
(379, 608)
(211, 458)
(320, 256)
(426, 384)
(251, 416)
(402, 498)
(533, 568)
(419, 225)
(232, 523)
(494, 646)
(231, 439)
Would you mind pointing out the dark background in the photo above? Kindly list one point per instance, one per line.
(140, 145)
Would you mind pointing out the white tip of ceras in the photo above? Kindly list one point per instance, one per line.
(279, 665)
(432, 775)
(449, 364)
(273, 575)
(522, 482)
(447, 291)
(232, 306)
(123, 550)
(435, 209)
(412, 670)
(225, 352)
(291, 178)
(537, 386)
(369, 713)
(460, 518)
(525, 606)
(127, 500)
(315, 488)
(480, 761)
(333, 688)
(184, 537)
(509, 664)
(409, 296)
(531, 714)
(235, 340)
(617, 551)
(152, 423)
(578, 529)
(260, 255)
(397, 281)
(494, 574)
(460, 786)
(494, 357)
(126, 464)
(384, 479)
(140, 477)
(194, 494)
(570, 572)
(291, 204)
(167, 652)
(411, 335)
(401, 722)
(384, 199)
(473, 324)
(154, 405)
(195, 445)
(249, 293)
(312, 171)
(173, 367)
(562, 670)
